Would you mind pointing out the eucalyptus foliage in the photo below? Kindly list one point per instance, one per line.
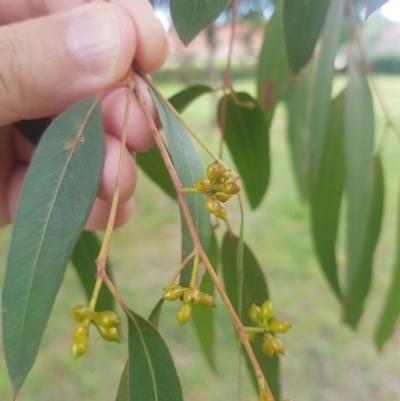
(335, 159)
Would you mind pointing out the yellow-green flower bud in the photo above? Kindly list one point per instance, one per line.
(79, 346)
(222, 197)
(213, 171)
(108, 319)
(221, 213)
(81, 331)
(278, 326)
(170, 286)
(207, 300)
(108, 333)
(266, 347)
(229, 188)
(254, 314)
(173, 293)
(80, 313)
(184, 313)
(277, 345)
(212, 205)
(267, 311)
(191, 296)
(224, 176)
(203, 185)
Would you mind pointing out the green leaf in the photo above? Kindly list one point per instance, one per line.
(246, 134)
(153, 165)
(152, 374)
(56, 200)
(326, 194)
(123, 392)
(359, 147)
(191, 17)
(296, 100)
(320, 96)
(189, 169)
(203, 318)
(254, 291)
(373, 5)
(308, 103)
(83, 258)
(183, 98)
(151, 161)
(362, 274)
(364, 192)
(302, 23)
(156, 313)
(272, 71)
(391, 309)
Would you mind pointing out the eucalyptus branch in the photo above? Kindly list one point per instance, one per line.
(182, 266)
(114, 291)
(264, 388)
(101, 260)
(368, 69)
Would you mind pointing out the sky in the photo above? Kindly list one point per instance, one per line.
(391, 10)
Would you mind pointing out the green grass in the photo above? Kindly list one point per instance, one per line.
(325, 360)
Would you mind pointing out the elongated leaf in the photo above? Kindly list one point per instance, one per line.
(152, 374)
(391, 309)
(361, 278)
(373, 5)
(364, 192)
(302, 23)
(151, 161)
(320, 96)
(156, 313)
(254, 291)
(183, 98)
(191, 17)
(359, 146)
(297, 100)
(326, 194)
(83, 258)
(189, 170)
(153, 165)
(246, 135)
(308, 103)
(123, 391)
(56, 200)
(203, 318)
(272, 71)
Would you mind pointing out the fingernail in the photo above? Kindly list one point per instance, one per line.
(94, 39)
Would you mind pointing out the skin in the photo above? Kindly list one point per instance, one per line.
(42, 74)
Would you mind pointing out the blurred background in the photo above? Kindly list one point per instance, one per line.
(325, 360)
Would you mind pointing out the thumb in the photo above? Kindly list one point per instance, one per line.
(51, 62)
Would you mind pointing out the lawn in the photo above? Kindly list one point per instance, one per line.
(325, 360)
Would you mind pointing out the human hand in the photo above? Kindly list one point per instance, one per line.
(54, 53)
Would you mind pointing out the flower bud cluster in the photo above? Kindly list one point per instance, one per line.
(217, 188)
(262, 317)
(190, 297)
(106, 323)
